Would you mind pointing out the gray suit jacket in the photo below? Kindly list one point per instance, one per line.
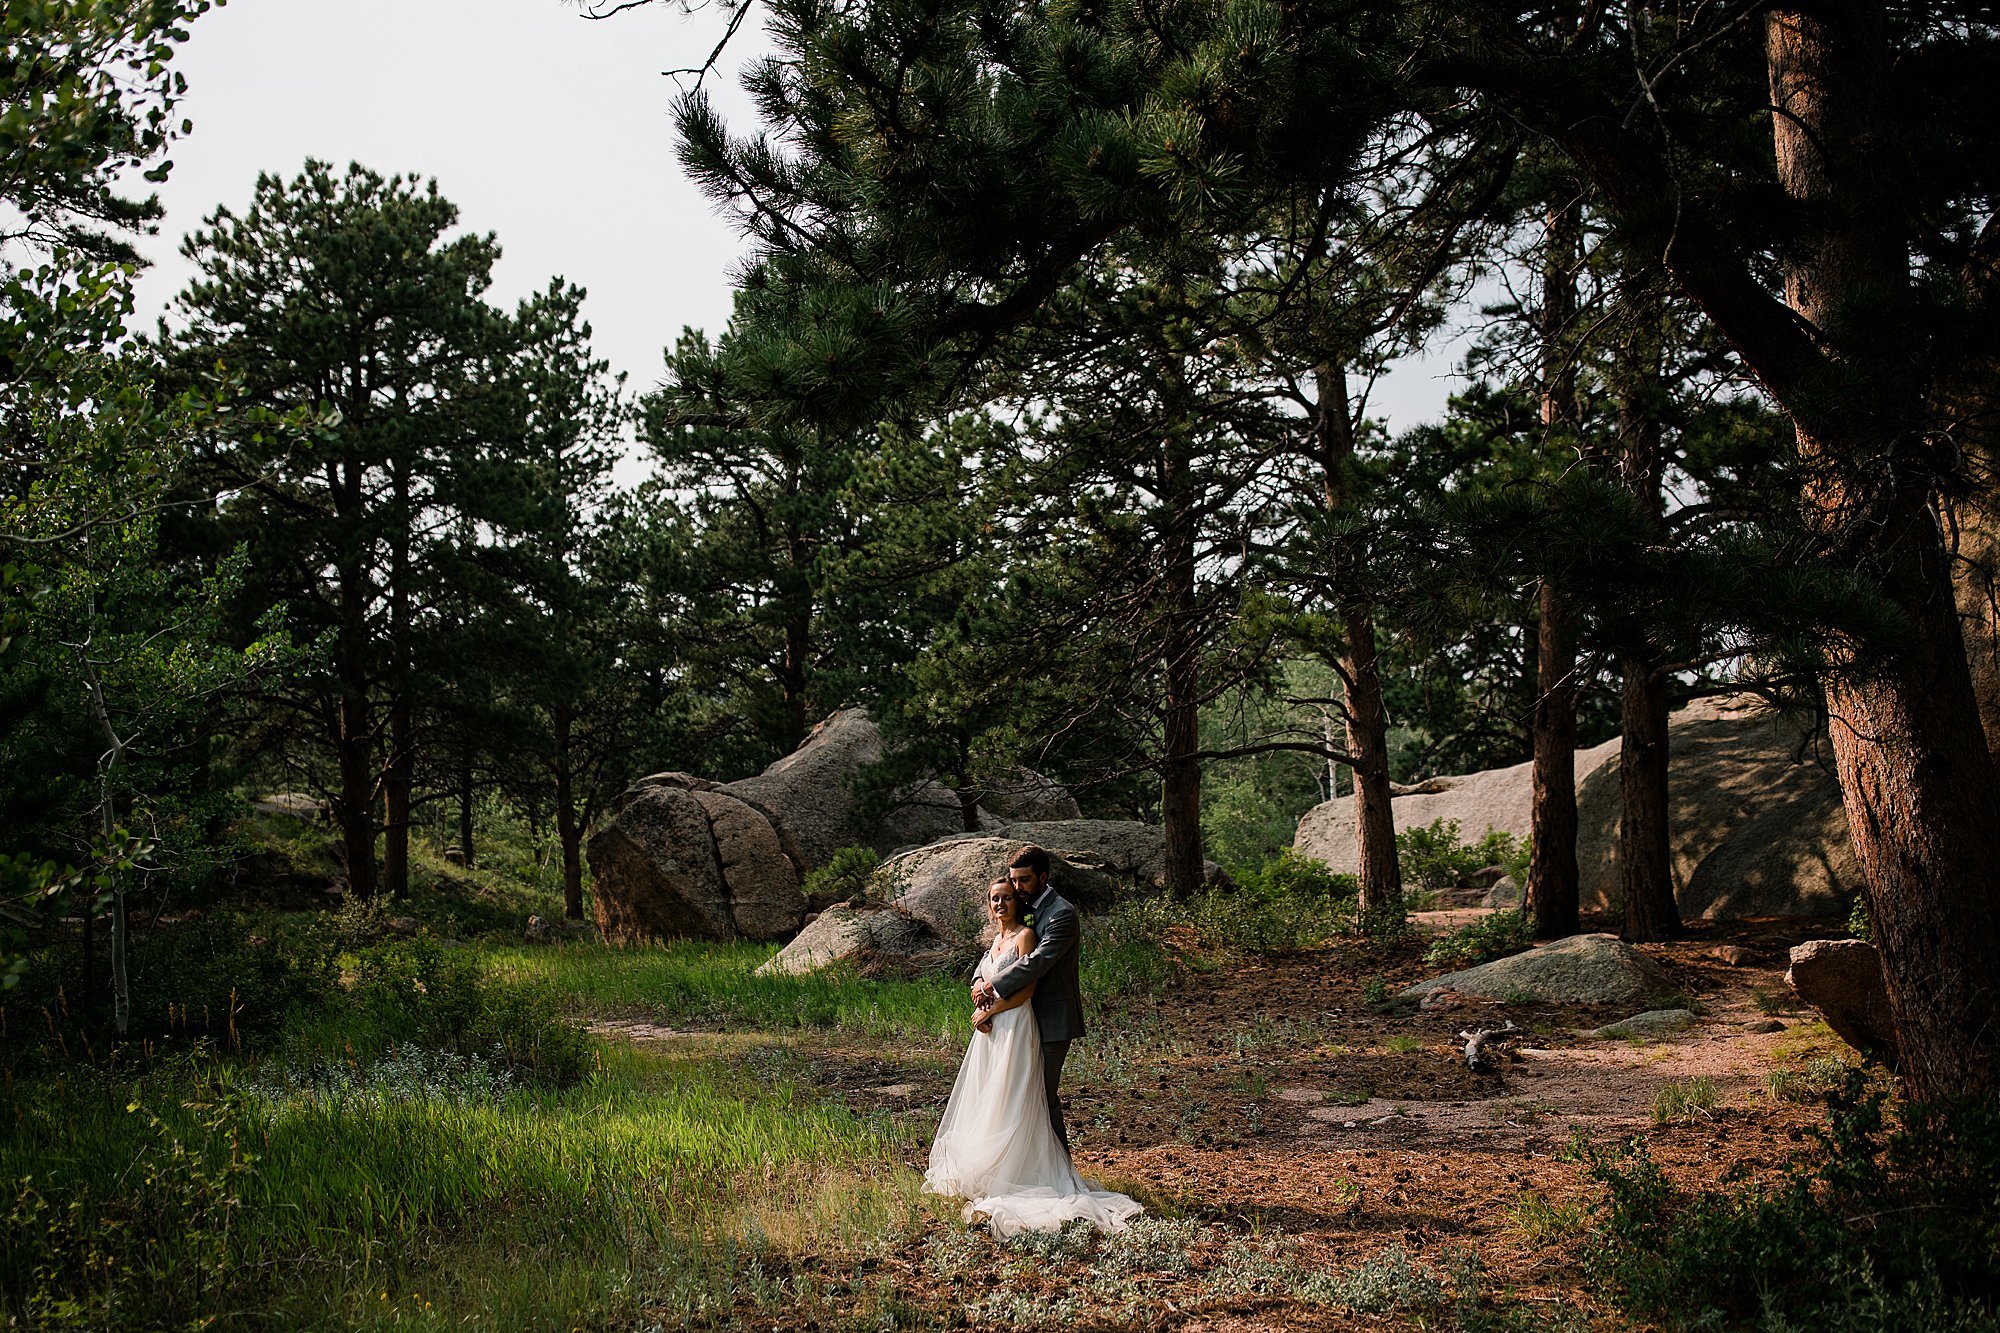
(1058, 1001)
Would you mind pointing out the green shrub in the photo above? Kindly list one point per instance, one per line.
(845, 875)
(1885, 1227)
(1289, 902)
(1434, 856)
(1493, 936)
(1857, 920)
(1290, 873)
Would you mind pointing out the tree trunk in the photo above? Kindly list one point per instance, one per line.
(1645, 851)
(569, 829)
(354, 739)
(1917, 778)
(1645, 856)
(465, 795)
(1551, 892)
(1180, 771)
(396, 792)
(1377, 868)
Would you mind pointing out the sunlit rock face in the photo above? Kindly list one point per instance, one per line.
(1755, 815)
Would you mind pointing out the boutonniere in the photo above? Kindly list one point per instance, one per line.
(1027, 918)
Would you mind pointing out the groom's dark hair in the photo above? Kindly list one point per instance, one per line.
(1032, 858)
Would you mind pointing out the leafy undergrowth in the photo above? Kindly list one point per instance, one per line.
(1891, 1223)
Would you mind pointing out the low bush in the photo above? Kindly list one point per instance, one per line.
(1493, 936)
(1288, 902)
(1434, 856)
(1890, 1225)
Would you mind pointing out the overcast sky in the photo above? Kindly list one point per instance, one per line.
(546, 128)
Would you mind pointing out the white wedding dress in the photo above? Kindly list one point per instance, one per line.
(995, 1147)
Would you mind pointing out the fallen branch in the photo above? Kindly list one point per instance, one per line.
(1477, 1057)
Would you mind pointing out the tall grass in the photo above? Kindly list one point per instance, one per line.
(716, 984)
(192, 1194)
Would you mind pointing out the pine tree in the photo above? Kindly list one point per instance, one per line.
(348, 291)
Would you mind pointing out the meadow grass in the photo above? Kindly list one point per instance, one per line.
(193, 1192)
(716, 984)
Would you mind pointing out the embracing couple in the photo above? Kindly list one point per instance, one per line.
(1002, 1145)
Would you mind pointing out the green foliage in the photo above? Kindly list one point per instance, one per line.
(415, 993)
(1434, 857)
(844, 876)
(1290, 873)
(1889, 1224)
(91, 95)
(154, 1252)
(219, 1204)
(1492, 936)
(1857, 919)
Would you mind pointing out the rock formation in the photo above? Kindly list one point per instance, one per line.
(686, 856)
(1583, 969)
(933, 899)
(1756, 817)
(1843, 980)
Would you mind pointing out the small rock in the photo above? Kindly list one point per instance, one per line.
(1503, 892)
(454, 854)
(1763, 1025)
(896, 1090)
(1734, 955)
(1843, 980)
(1442, 999)
(402, 925)
(1652, 1023)
(539, 931)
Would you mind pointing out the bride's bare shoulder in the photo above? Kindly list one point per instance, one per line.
(1024, 940)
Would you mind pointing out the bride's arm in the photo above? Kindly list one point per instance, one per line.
(1024, 944)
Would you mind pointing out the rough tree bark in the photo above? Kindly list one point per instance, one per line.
(1553, 887)
(1366, 716)
(1645, 852)
(1918, 780)
(1552, 890)
(569, 828)
(1180, 770)
(354, 740)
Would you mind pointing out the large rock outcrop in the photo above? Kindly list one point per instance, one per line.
(878, 941)
(944, 885)
(687, 856)
(809, 794)
(656, 872)
(1757, 824)
(1755, 813)
(940, 889)
(1499, 799)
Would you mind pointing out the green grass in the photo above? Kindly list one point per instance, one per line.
(168, 1195)
(1685, 1099)
(693, 982)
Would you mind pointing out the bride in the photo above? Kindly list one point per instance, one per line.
(995, 1146)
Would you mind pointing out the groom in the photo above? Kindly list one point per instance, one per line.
(1058, 1000)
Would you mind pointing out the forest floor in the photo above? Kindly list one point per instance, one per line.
(1285, 1116)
